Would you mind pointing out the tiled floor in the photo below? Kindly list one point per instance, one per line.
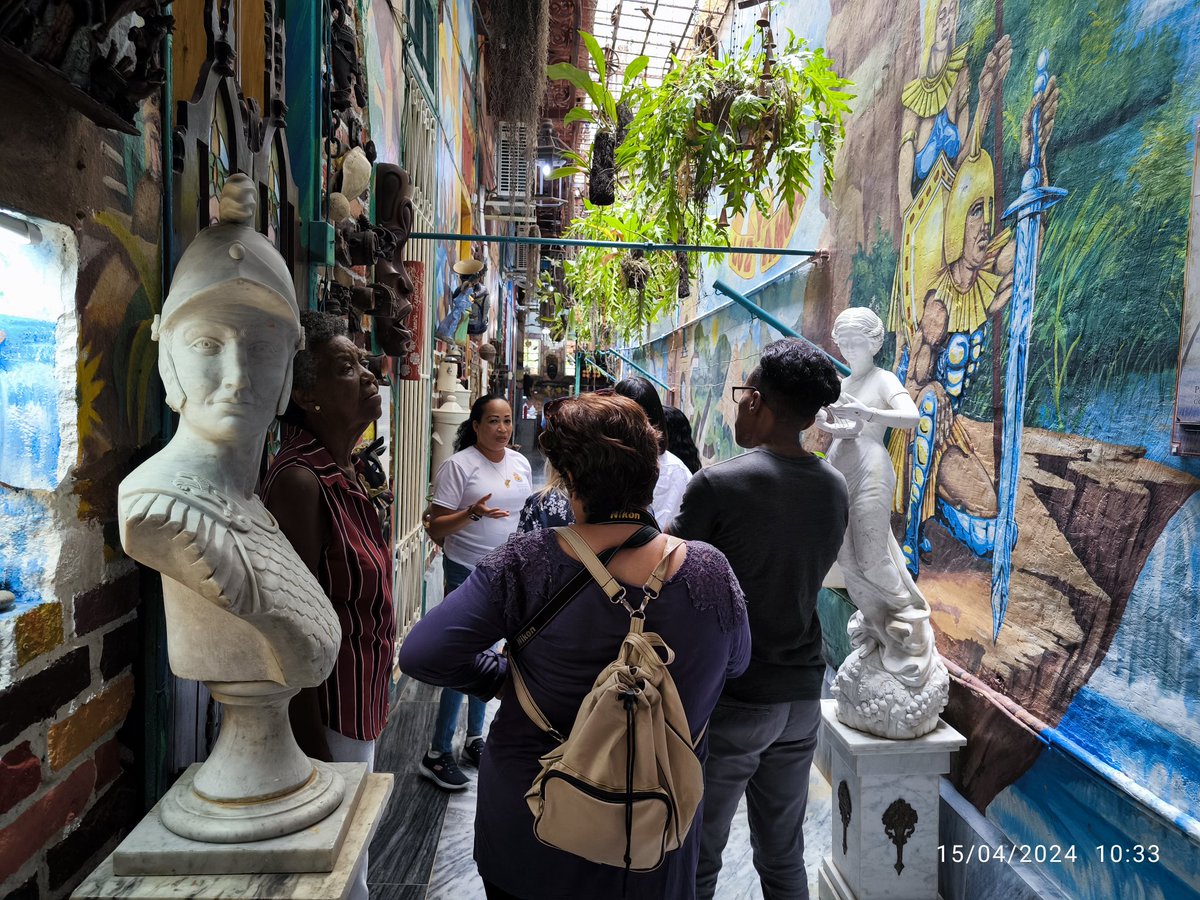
(422, 850)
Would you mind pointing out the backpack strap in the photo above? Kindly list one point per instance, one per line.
(536, 716)
(610, 585)
(572, 589)
(615, 592)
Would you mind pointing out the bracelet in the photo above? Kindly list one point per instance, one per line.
(473, 516)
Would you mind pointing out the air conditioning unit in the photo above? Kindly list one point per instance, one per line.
(522, 260)
(515, 147)
(512, 201)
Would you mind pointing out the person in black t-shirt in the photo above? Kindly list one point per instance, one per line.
(778, 513)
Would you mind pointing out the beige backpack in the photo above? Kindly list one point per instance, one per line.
(622, 788)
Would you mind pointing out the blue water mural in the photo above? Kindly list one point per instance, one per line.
(24, 515)
(29, 431)
(1060, 802)
(1140, 711)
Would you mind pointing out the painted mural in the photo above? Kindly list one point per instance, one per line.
(31, 297)
(119, 291)
(1187, 390)
(1013, 199)
(456, 148)
(36, 294)
(385, 80)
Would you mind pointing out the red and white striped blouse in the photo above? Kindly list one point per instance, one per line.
(356, 573)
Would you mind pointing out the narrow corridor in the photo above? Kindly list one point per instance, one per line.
(422, 850)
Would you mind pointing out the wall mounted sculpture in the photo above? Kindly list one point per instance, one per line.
(103, 59)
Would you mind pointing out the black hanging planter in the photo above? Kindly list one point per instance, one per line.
(603, 175)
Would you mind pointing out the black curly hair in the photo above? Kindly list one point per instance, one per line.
(319, 329)
(466, 435)
(797, 379)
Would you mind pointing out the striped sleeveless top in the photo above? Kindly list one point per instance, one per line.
(356, 573)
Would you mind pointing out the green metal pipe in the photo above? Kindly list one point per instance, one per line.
(625, 359)
(600, 369)
(759, 313)
(632, 245)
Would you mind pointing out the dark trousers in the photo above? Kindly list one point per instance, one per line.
(494, 893)
(763, 751)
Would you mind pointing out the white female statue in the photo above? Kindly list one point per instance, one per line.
(244, 614)
(893, 684)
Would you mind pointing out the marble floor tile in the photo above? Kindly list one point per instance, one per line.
(413, 690)
(454, 876)
(398, 891)
(739, 881)
(405, 844)
(406, 737)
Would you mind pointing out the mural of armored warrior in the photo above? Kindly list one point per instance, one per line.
(932, 149)
(940, 315)
(935, 102)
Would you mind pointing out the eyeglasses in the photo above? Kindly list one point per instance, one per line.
(741, 387)
(550, 407)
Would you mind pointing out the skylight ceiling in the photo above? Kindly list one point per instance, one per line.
(655, 28)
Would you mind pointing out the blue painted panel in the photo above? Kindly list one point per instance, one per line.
(1060, 802)
(22, 517)
(29, 430)
(1140, 711)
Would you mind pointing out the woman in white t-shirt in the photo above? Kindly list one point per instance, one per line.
(673, 475)
(478, 494)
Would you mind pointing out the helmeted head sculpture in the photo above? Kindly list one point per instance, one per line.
(230, 275)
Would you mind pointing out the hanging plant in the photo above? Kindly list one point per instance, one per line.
(610, 113)
(717, 135)
(602, 172)
(635, 270)
(626, 290)
(745, 128)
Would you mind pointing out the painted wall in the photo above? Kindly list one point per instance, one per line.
(76, 406)
(456, 184)
(1080, 677)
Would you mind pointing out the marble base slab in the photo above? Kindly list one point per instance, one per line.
(885, 811)
(335, 885)
(153, 849)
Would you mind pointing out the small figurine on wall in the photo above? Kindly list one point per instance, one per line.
(347, 73)
(454, 328)
(893, 684)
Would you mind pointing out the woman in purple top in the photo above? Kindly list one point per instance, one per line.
(607, 454)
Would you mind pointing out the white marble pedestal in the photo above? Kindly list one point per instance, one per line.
(253, 881)
(885, 811)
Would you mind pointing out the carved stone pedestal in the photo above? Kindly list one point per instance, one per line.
(319, 863)
(885, 812)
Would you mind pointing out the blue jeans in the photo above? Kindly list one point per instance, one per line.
(451, 703)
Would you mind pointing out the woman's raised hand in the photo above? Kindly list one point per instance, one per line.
(480, 508)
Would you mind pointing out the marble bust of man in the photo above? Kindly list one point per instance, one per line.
(243, 612)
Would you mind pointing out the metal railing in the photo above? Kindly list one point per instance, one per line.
(411, 400)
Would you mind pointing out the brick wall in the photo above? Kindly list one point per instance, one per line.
(71, 732)
(68, 791)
